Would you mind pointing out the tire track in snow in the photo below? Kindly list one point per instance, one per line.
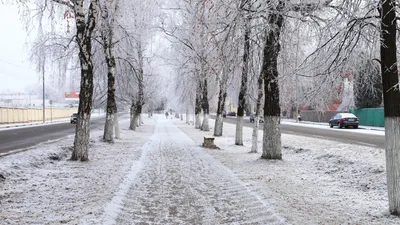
(179, 183)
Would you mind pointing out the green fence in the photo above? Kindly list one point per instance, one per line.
(370, 117)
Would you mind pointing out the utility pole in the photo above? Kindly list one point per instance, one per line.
(44, 98)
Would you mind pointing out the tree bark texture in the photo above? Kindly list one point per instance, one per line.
(219, 121)
(260, 94)
(140, 75)
(84, 33)
(132, 125)
(391, 97)
(107, 38)
(243, 84)
(205, 107)
(272, 135)
(197, 107)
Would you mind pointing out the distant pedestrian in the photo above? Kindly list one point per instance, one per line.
(166, 115)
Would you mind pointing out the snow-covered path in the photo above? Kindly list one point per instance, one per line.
(179, 183)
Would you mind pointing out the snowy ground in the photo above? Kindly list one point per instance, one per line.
(159, 175)
(317, 182)
(42, 186)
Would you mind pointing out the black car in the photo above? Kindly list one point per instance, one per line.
(231, 114)
(344, 120)
(74, 117)
(252, 117)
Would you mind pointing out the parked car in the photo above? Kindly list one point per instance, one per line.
(224, 114)
(231, 114)
(74, 117)
(253, 116)
(344, 120)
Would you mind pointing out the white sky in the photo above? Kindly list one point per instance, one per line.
(16, 72)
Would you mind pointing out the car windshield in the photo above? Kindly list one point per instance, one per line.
(348, 115)
(75, 114)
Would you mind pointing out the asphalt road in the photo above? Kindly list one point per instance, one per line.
(377, 141)
(20, 138)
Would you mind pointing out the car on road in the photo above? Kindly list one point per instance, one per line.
(231, 114)
(74, 117)
(253, 116)
(344, 120)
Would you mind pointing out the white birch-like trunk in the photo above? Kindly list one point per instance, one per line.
(82, 138)
(141, 119)
(272, 138)
(187, 117)
(254, 136)
(109, 128)
(219, 125)
(392, 140)
(198, 121)
(116, 126)
(205, 125)
(135, 121)
(84, 38)
(239, 131)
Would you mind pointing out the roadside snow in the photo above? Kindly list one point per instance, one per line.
(317, 182)
(42, 186)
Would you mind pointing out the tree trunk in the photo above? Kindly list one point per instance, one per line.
(245, 71)
(136, 117)
(254, 146)
(391, 97)
(205, 107)
(111, 105)
(187, 116)
(197, 109)
(132, 125)
(116, 125)
(107, 37)
(140, 101)
(84, 40)
(141, 120)
(272, 134)
(219, 120)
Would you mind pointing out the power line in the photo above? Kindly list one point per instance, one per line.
(2, 60)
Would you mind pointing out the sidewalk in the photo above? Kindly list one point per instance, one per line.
(179, 183)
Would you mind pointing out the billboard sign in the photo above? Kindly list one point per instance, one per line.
(71, 95)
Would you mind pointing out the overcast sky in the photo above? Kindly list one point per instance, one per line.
(16, 72)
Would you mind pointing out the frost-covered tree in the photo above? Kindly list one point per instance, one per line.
(368, 85)
(84, 15)
(391, 97)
